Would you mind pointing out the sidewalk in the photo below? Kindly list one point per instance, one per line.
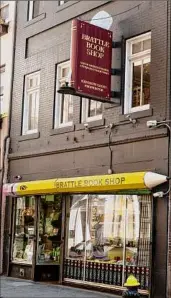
(11, 287)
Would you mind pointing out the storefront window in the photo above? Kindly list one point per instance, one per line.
(24, 230)
(49, 229)
(108, 237)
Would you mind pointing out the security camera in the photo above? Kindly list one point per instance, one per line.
(151, 123)
(18, 177)
(158, 194)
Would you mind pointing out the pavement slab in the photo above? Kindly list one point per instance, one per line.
(12, 287)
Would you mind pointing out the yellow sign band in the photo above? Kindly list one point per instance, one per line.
(87, 184)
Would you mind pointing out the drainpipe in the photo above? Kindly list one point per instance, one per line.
(6, 144)
(168, 289)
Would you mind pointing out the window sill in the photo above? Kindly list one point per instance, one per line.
(31, 136)
(20, 263)
(36, 19)
(62, 130)
(65, 5)
(93, 124)
(136, 115)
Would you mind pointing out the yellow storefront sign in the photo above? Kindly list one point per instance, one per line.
(88, 184)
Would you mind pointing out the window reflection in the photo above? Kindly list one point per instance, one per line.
(108, 238)
(24, 230)
(49, 230)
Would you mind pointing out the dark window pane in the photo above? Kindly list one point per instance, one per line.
(136, 48)
(146, 84)
(36, 7)
(147, 44)
(136, 85)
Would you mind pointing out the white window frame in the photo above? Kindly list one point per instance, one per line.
(30, 12)
(33, 90)
(61, 2)
(58, 97)
(130, 59)
(85, 111)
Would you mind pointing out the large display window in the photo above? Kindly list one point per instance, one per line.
(24, 230)
(37, 220)
(108, 237)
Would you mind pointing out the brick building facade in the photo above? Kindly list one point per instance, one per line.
(42, 44)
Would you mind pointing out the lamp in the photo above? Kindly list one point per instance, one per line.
(66, 89)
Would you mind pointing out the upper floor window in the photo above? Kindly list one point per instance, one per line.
(63, 102)
(137, 75)
(33, 9)
(31, 103)
(91, 110)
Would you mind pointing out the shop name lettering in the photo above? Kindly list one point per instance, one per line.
(89, 183)
(95, 46)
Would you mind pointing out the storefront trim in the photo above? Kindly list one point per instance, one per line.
(119, 289)
(88, 184)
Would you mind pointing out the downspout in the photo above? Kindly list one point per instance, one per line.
(6, 144)
(168, 286)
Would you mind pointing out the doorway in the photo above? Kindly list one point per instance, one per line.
(36, 240)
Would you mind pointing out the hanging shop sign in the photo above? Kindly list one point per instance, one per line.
(88, 184)
(91, 55)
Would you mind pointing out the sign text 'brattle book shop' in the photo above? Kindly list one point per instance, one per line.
(91, 55)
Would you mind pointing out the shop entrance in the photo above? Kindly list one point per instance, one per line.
(108, 237)
(36, 247)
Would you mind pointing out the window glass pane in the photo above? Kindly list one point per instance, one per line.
(32, 107)
(94, 108)
(4, 12)
(65, 72)
(1, 90)
(67, 109)
(76, 228)
(136, 47)
(108, 237)
(105, 228)
(132, 229)
(146, 83)
(24, 230)
(147, 44)
(136, 84)
(49, 229)
(36, 6)
(99, 108)
(30, 82)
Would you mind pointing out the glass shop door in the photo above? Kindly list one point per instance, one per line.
(48, 248)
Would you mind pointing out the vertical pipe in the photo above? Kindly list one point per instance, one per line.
(124, 243)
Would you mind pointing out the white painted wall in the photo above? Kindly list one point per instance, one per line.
(6, 58)
(6, 53)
